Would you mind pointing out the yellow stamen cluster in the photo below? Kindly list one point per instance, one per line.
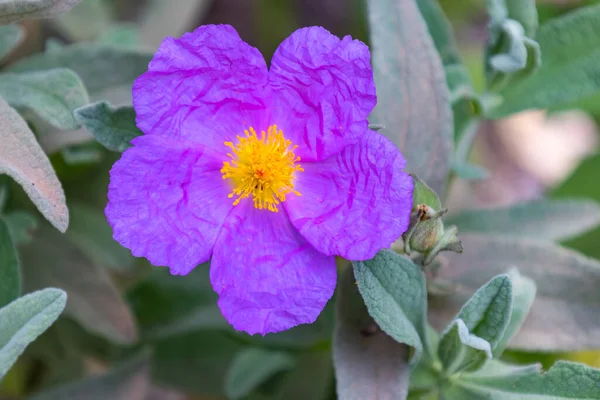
(263, 167)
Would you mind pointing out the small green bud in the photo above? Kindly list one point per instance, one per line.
(428, 230)
(426, 233)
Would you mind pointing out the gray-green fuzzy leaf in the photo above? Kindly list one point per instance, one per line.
(52, 94)
(22, 158)
(413, 99)
(461, 351)
(14, 10)
(487, 313)
(523, 293)
(543, 219)
(113, 127)
(24, 320)
(100, 67)
(94, 301)
(10, 273)
(563, 315)
(565, 380)
(10, 37)
(366, 360)
(128, 381)
(522, 11)
(570, 46)
(393, 289)
(251, 367)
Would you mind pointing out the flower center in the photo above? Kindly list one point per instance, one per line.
(262, 167)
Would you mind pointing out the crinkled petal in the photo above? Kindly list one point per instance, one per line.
(268, 277)
(168, 201)
(356, 202)
(323, 91)
(208, 86)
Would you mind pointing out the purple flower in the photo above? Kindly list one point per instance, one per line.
(268, 173)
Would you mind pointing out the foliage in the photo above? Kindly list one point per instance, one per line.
(409, 323)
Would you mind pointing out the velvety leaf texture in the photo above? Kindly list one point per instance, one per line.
(461, 351)
(570, 67)
(100, 67)
(565, 380)
(24, 320)
(52, 94)
(410, 78)
(22, 158)
(523, 293)
(393, 289)
(113, 127)
(14, 10)
(487, 313)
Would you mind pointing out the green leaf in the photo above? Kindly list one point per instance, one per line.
(14, 10)
(94, 301)
(196, 363)
(393, 289)
(563, 315)
(127, 381)
(543, 219)
(440, 30)
(571, 60)
(22, 158)
(461, 351)
(314, 368)
(10, 37)
(10, 273)
(513, 58)
(21, 225)
(53, 94)
(91, 233)
(252, 367)
(24, 320)
(100, 67)
(366, 359)
(522, 11)
(565, 380)
(113, 127)
(422, 194)
(487, 313)
(413, 99)
(523, 295)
